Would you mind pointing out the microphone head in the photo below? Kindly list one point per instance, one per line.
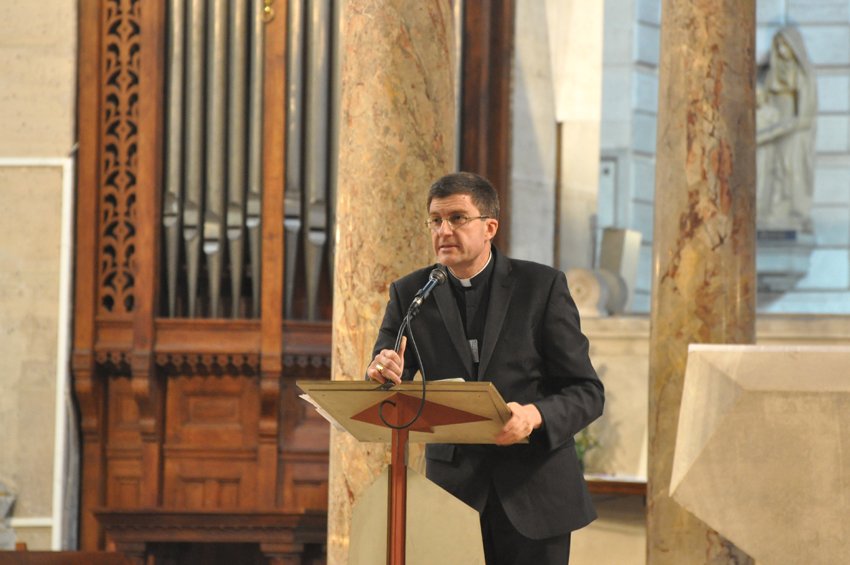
(438, 275)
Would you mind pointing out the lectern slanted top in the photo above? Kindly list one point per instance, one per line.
(455, 411)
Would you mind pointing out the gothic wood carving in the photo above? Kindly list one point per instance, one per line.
(118, 154)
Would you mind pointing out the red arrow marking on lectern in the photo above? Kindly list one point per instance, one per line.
(405, 409)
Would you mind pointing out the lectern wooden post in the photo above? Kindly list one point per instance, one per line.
(452, 412)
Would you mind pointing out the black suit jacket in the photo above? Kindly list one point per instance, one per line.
(533, 351)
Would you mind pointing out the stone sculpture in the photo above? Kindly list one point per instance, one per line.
(786, 114)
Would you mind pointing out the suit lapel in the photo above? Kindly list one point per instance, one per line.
(451, 317)
(500, 297)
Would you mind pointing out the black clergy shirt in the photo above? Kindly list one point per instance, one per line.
(472, 297)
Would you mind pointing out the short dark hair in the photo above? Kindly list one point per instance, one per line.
(479, 189)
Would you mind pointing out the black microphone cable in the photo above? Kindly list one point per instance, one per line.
(436, 278)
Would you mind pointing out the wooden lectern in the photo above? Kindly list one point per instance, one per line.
(453, 412)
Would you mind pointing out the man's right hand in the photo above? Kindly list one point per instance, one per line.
(388, 365)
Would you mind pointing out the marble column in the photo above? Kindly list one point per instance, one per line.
(396, 136)
(704, 248)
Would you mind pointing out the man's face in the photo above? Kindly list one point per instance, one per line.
(466, 248)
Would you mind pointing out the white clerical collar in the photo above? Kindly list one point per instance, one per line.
(468, 282)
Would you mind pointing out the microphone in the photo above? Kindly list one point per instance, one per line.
(435, 279)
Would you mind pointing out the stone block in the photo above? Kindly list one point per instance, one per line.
(532, 218)
(829, 270)
(833, 133)
(646, 91)
(764, 37)
(642, 213)
(615, 124)
(619, 348)
(833, 92)
(783, 257)
(38, 65)
(827, 45)
(770, 12)
(30, 225)
(831, 225)
(641, 303)
(810, 302)
(649, 11)
(647, 43)
(615, 81)
(643, 187)
(617, 46)
(759, 451)
(614, 135)
(644, 276)
(609, 174)
(818, 11)
(832, 185)
(643, 133)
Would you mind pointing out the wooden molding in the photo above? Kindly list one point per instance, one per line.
(487, 60)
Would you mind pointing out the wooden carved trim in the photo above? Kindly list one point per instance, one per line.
(88, 390)
(151, 525)
(118, 155)
(215, 364)
(113, 363)
(302, 361)
(117, 363)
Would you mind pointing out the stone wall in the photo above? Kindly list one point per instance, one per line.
(825, 27)
(627, 146)
(627, 136)
(37, 111)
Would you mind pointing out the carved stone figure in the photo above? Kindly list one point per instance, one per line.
(785, 119)
(7, 534)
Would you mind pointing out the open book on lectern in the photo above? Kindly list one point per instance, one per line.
(455, 411)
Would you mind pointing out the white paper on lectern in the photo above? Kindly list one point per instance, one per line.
(322, 413)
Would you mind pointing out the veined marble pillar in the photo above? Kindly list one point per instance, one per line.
(396, 137)
(704, 248)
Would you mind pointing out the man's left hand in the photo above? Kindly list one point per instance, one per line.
(525, 418)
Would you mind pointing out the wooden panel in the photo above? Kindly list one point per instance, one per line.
(304, 430)
(123, 414)
(210, 443)
(305, 439)
(206, 412)
(124, 481)
(305, 481)
(207, 336)
(223, 480)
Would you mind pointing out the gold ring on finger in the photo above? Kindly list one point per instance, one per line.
(380, 368)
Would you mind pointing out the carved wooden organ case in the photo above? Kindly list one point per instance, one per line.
(205, 198)
(194, 314)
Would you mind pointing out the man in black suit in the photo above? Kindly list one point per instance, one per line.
(512, 323)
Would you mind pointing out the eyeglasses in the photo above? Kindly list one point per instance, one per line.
(455, 221)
